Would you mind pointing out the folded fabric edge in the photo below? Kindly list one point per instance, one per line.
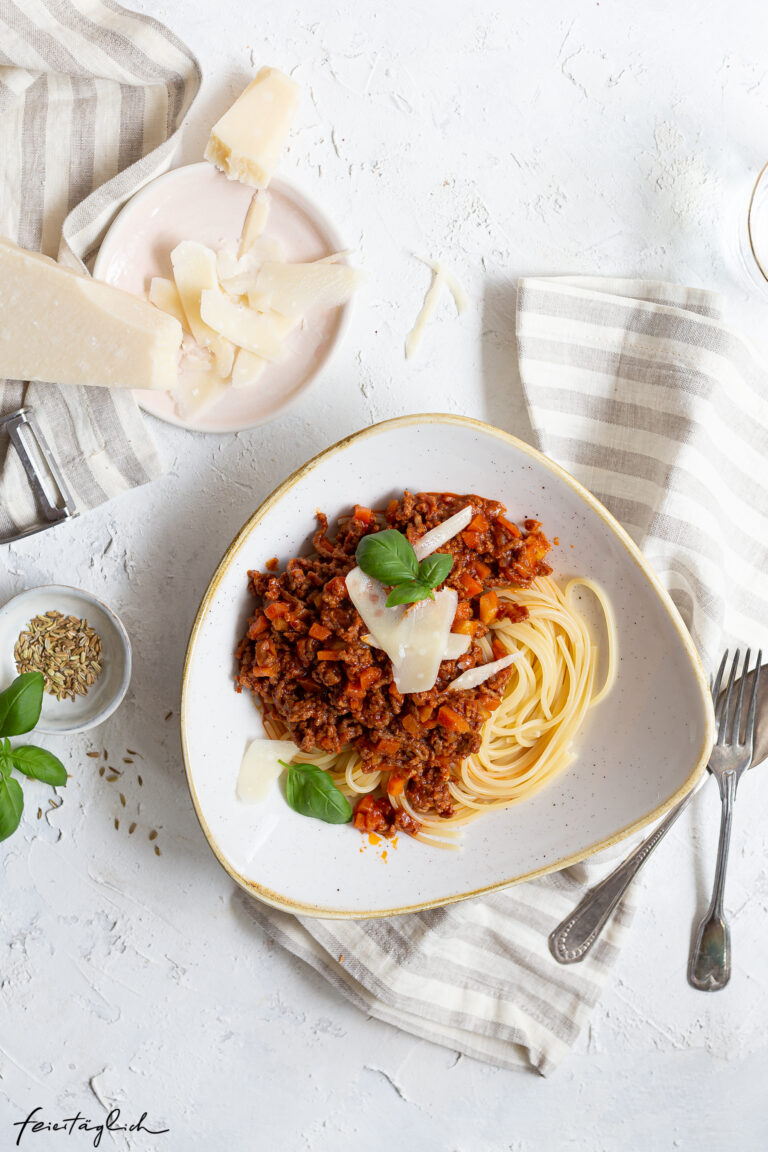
(704, 302)
(511, 1052)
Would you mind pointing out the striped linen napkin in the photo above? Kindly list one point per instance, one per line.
(644, 394)
(91, 100)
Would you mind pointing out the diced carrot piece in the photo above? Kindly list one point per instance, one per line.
(364, 515)
(265, 670)
(488, 606)
(319, 632)
(395, 785)
(327, 654)
(509, 526)
(482, 571)
(411, 725)
(499, 651)
(368, 676)
(387, 747)
(478, 523)
(277, 609)
(463, 611)
(465, 627)
(309, 685)
(471, 586)
(450, 719)
(472, 540)
(257, 626)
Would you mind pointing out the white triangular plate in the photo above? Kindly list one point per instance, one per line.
(642, 749)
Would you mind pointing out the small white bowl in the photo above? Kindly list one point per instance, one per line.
(63, 717)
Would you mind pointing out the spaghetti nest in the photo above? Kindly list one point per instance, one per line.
(424, 763)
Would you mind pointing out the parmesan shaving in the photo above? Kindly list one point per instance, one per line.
(475, 676)
(456, 645)
(415, 636)
(425, 315)
(440, 276)
(424, 632)
(261, 766)
(436, 537)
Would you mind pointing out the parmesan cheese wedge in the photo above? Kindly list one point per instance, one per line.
(261, 767)
(61, 327)
(255, 221)
(244, 327)
(194, 271)
(248, 368)
(294, 289)
(165, 295)
(247, 141)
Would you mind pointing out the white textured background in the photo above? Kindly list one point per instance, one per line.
(537, 137)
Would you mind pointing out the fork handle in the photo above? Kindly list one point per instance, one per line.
(709, 968)
(572, 939)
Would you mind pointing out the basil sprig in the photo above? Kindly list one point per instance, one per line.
(389, 557)
(311, 792)
(20, 706)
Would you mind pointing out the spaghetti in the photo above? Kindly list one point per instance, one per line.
(529, 737)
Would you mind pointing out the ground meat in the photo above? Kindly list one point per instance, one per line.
(303, 657)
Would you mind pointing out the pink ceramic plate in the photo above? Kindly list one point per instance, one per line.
(199, 203)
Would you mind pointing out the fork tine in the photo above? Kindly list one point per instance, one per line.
(749, 737)
(716, 688)
(725, 709)
(738, 709)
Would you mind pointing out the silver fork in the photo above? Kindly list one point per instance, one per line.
(573, 938)
(709, 968)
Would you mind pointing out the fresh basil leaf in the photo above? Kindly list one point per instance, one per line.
(39, 764)
(387, 556)
(11, 806)
(409, 593)
(435, 568)
(311, 792)
(20, 704)
(6, 765)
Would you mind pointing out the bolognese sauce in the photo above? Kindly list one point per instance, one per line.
(306, 659)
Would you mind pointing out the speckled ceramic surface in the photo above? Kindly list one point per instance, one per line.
(641, 749)
(62, 717)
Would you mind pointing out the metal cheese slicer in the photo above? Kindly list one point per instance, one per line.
(45, 479)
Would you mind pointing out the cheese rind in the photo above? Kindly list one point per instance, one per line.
(60, 327)
(247, 141)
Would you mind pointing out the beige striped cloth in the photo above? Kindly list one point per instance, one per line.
(91, 100)
(650, 400)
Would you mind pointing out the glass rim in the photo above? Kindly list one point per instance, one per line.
(750, 240)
